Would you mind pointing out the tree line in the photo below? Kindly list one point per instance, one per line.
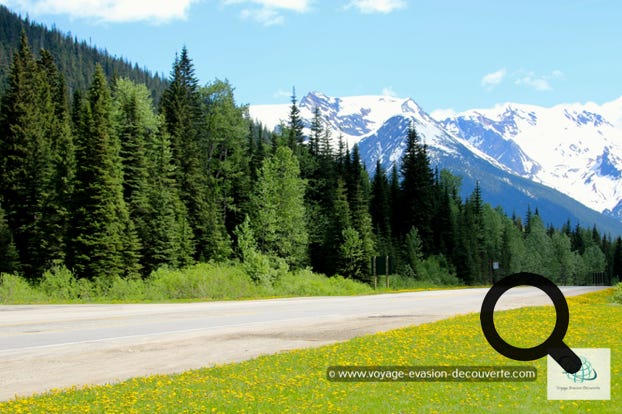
(111, 184)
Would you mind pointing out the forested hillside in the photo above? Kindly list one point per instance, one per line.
(74, 59)
(112, 185)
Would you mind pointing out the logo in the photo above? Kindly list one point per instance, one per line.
(586, 373)
(591, 382)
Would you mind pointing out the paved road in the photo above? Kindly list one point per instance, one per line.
(49, 346)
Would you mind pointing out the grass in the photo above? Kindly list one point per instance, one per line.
(295, 381)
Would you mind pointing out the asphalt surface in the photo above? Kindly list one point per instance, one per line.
(51, 346)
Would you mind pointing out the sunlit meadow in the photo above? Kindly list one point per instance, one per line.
(296, 381)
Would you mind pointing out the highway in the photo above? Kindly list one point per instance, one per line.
(52, 346)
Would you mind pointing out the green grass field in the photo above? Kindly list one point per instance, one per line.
(296, 381)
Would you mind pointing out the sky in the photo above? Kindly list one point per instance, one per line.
(447, 55)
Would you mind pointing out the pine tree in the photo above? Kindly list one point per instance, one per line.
(150, 189)
(25, 154)
(185, 123)
(104, 241)
(55, 220)
(295, 136)
(380, 209)
(417, 190)
(9, 258)
(168, 237)
(339, 222)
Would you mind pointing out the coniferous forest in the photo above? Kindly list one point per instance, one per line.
(110, 183)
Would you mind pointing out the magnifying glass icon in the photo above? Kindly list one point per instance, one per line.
(554, 345)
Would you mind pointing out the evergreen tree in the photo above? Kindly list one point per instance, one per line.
(278, 209)
(336, 231)
(104, 243)
(380, 209)
(25, 154)
(417, 190)
(295, 136)
(9, 259)
(168, 237)
(150, 189)
(55, 220)
(226, 136)
(185, 123)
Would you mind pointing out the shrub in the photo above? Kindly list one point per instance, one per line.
(131, 289)
(306, 283)
(201, 281)
(59, 283)
(15, 289)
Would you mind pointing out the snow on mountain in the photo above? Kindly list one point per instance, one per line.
(354, 117)
(521, 155)
(574, 148)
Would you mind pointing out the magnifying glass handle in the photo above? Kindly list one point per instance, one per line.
(567, 359)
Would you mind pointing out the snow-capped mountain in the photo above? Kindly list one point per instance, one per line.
(576, 149)
(477, 146)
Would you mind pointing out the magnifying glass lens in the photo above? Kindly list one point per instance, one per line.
(526, 327)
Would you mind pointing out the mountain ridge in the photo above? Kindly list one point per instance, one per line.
(506, 171)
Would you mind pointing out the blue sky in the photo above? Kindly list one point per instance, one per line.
(445, 54)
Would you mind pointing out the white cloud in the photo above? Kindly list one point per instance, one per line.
(442, 114)
(377, 6)
(269, 12)
(493, 79)
(389, 92)
(109, 10)
(541, 83)
(267, 17)
(282, 93)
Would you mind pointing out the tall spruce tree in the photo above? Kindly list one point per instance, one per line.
(25, 153)
(185, 123)
(380, 209)
(150, 189)
(104, 243)
(56, 214)
(417, 190)
(295, 136)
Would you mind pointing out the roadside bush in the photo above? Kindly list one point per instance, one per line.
(59, 283)
(306, 283)
(437, 270)
(401, 282)
(131, 289)
(15, 289)
(201, 281)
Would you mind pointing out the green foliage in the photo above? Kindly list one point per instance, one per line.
(185, 122)
(59, 283)
(278, 210)
(306, 283)
(9, 258)
(16, 289)
(104, 240)
(264, 269)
